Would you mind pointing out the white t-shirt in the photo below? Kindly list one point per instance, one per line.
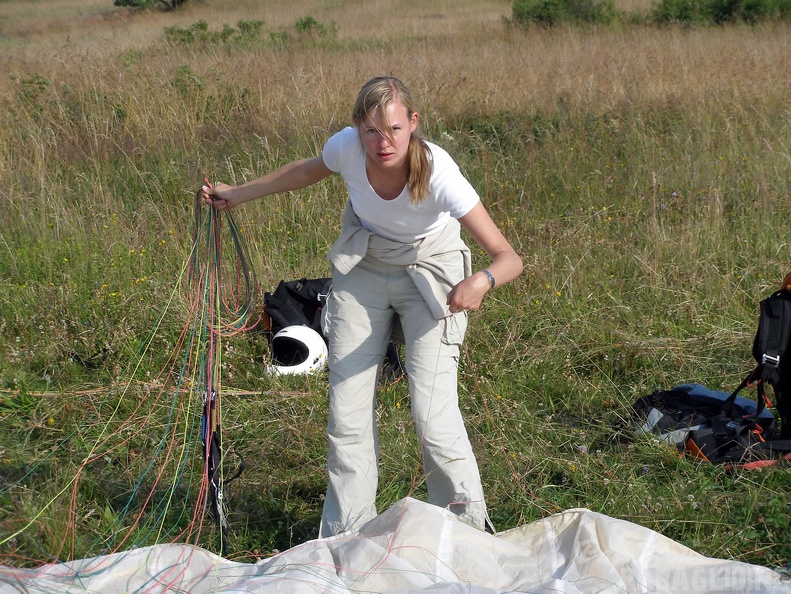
(449, 194)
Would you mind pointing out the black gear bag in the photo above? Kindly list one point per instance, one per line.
(300, 303)
(719, 427)
(296, 303)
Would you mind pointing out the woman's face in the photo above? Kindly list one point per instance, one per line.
(381, 150)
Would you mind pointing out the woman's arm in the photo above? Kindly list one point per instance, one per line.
(506, 264)
(292, 176)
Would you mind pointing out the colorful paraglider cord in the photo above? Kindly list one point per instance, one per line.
(223, 288)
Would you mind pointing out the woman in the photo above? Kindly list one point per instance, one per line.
(399, 266)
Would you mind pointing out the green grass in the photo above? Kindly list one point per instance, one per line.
(649, 231)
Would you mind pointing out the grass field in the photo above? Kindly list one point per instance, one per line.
(643, 173)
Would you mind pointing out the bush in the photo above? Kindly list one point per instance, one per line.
(199, 33)
(134, 3)
(250, 28)
(551, 12)
(166, 4)
(672, 11)
(309, 26)
(748, 10)
(719, 11)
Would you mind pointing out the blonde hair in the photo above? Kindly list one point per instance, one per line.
(377, 94)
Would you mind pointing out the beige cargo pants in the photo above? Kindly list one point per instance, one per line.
(360, 316)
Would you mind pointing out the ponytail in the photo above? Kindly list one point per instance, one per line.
(419, 169)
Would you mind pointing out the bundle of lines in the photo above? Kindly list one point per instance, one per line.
(147, 462)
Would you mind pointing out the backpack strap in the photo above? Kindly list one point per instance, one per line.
(728, 404)
(774, 332)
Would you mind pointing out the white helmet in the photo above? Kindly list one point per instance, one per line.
(298, 350)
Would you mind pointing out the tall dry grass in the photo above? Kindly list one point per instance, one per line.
(457, 55)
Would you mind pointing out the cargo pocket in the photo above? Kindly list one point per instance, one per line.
(455, 328)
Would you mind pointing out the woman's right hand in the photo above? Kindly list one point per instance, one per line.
(218, 196)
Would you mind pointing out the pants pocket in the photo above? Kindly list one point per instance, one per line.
(455, 328)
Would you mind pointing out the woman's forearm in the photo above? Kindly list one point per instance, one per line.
(289, 177)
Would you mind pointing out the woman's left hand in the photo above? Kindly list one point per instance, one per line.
(468, 294)
(506, 264)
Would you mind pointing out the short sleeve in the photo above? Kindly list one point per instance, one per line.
(453, 192)
(333, 149)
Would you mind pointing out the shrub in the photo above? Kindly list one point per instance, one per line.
(250, 28)
(551, 12)
(672, 11)
(166, 4)
(719, 11)
(134, 3)
(748, 10)
(308, 25)
(199, 32)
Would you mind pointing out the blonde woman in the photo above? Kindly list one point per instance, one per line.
(400, 268)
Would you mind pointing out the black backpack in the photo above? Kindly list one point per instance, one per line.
(772, 353)
(300, 303)
(296, 303)
(722, 427)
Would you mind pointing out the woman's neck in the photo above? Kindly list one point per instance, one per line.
(388, 183)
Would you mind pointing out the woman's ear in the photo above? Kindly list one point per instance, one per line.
(413, 121)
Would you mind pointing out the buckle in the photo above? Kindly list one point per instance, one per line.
(772, 360)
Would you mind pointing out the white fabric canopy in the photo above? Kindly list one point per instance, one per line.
(417, 547)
